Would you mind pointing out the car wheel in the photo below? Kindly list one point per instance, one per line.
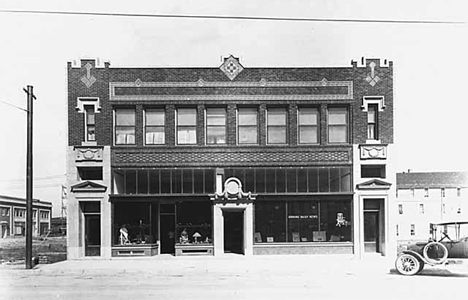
(407, 264)
(435, 253)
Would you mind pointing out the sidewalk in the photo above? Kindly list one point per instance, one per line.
(167, 264)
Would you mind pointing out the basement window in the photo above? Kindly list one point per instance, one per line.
(90, 173)
(373, 171)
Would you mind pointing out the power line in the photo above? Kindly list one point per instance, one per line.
(221, 17)
(14, 106)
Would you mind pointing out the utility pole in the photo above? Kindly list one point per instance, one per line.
(29, 177)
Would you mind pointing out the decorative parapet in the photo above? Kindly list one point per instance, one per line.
(88, 153)
(373, 151)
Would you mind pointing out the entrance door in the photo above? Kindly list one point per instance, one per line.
(167, 233)
(92, 235)
(371, 231)
(234, 232)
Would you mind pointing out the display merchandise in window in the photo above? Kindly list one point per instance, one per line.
(194, 221)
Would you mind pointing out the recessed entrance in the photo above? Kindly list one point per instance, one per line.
(92, 235)
(371, 231)
(167, 231)
(233, 232)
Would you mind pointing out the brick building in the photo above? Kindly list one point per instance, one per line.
(13, 216)
(429, 197)
(205, 161)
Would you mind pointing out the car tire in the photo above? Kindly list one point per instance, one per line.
(407, 264)
(435, 253)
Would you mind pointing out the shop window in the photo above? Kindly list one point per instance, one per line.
(194, 221)
(270, 222)
(89, 173)
(276, 126)
(308, 120)
(400, 209)
(90, 123)
(124, 126)
(413, 229)
(155, 126)
(373, 171)
(302, 221)
(337, 125)
(247, 126)
(186, 126)
(216, 126)
(372, 122)
(135, 223)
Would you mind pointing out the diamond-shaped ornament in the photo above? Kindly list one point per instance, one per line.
(231, 67)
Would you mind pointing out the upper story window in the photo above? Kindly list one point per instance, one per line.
(337, 125)
(426, 192)
(421, 208)
(90, 123)
(44, 214)
(400, 209)
(154, 126)
(308, 119)
(372, 128)
(413, 229)
(5, 211)
(458, 192)
(124, 126)
(186, 126)
(276, 125)
(20, 213)
(216, 126)
(247, 126)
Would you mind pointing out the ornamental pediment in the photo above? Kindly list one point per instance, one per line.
(233, 191)
(88, 186)
(374, 184)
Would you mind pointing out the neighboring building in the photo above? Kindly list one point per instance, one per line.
(230, 159)
(13, 216)
(429, 197)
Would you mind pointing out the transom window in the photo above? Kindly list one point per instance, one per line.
(216, 126)
(186, 126)
(124, 126)
(247, 128)
(308, 125)
(276, 126)
(154, 126)
(90, 123)
(337, 125)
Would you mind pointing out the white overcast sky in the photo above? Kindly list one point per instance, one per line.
(430, 65)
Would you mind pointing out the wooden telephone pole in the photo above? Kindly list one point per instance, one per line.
(29, 178)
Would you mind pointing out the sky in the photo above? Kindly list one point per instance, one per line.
(430, 65)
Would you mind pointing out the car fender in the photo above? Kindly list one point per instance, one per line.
(415, 254)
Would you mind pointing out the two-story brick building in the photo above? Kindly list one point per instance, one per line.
(13, 216)
(192, 161)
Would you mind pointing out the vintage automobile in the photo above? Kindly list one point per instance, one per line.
(448, 241)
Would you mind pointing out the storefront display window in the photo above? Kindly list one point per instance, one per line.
(135, 224)
(302, 221)
(194, 219)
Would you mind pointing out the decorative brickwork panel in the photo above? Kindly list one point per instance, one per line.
(217, 157)
(88, 154)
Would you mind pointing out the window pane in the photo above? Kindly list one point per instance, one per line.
(154, 117)
(154, 181)
(313, 180)
(324, 180)
(187, 135)
(337, 134)
(130, 182)
(334, 180)
(216, 116)
(124, 135)
(345, 179)
(276, 135)
(302, 180)
(90, 116)
(216, 135)
(308, 116)
(371, 115)
(248, 116)
(125, 117)
(280, 180)
(308, 135)
(186, 116)
(337, 116)
(142, 182)
(270, 222)
(276, 117)
(154, 135)
(330, 213)
(302, 221)
(248, 135)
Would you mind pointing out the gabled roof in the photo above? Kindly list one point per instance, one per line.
(374, 184)
(432, 180)
(88, 186)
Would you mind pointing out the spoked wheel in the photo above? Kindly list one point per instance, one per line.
(407, 264)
